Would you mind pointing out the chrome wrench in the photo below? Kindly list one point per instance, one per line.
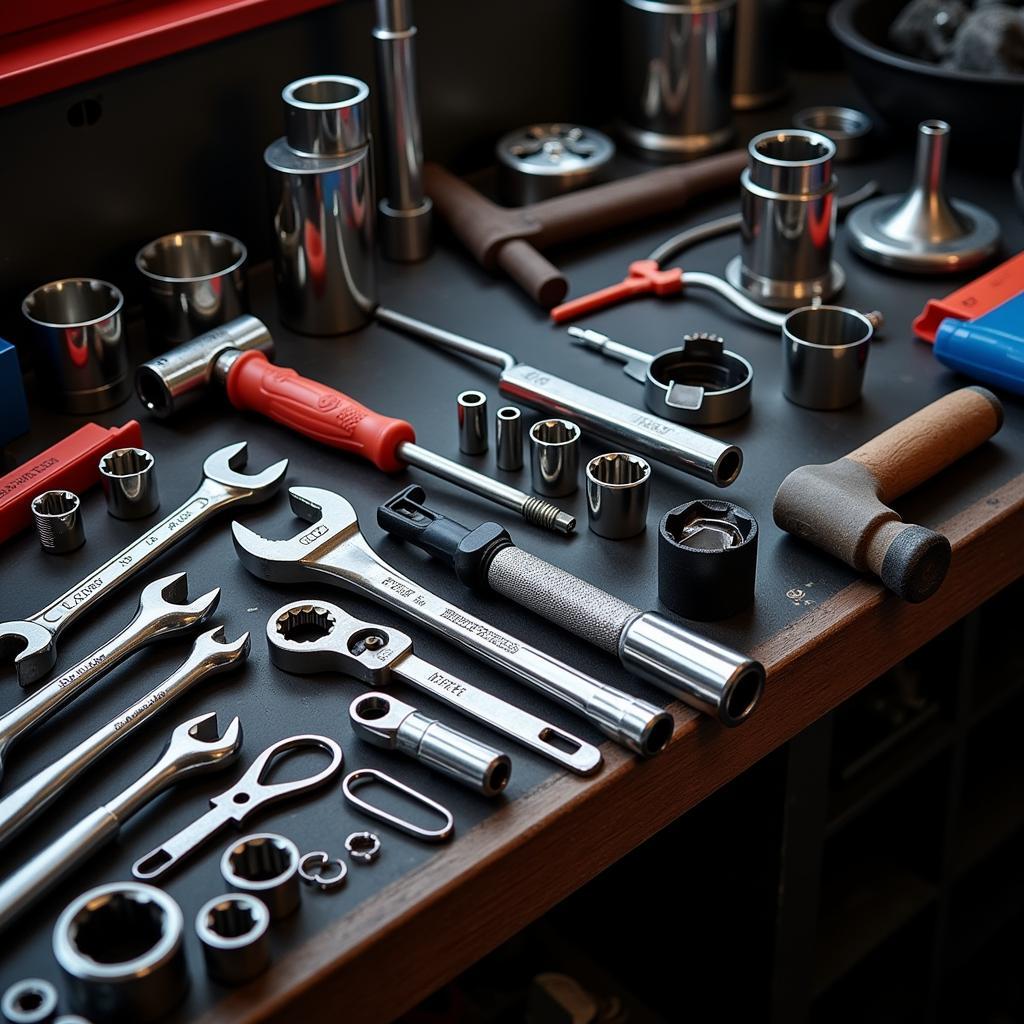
(193, 747)
(35, 639)
(248, 794)
(376, 656)
(334, 551)
(160, 614)
(210, 654)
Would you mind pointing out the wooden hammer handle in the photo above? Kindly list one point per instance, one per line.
(917, 448)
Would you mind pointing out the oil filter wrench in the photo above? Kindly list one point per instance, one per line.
(706, 675)
(234, 358)
(333, 551)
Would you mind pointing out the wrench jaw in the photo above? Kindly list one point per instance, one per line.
(215, 654)
(196, 745)
(163, 603)
(224, 467)
(33, 647)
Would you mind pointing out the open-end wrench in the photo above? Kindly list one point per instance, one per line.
(160, 614)
(210, 654)
(34, 640)
(376, 656)
(193, 747)
(334, 551)
(251, 792)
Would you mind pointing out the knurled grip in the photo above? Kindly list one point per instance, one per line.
(560, 597)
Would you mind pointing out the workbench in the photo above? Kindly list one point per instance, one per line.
(413, 920)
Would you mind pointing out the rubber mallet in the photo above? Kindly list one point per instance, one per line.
(843, 507)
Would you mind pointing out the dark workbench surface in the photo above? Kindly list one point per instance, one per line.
(421, 914)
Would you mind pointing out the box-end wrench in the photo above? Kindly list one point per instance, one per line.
(193, 747)
(333, 551)
(34, 640)
(210, 654)
(160, 614)
(317, 636)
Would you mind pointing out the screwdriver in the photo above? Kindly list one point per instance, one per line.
(235, 356)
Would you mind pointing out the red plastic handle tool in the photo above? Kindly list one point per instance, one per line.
(644, 278)
(71, 465)
(316, 410)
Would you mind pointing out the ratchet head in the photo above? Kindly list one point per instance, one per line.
(294, 560)
(316, 636)
(33, 647)
(196, 745)
(161, 604)
(223, 466)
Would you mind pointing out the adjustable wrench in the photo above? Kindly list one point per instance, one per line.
(210, 654)
(36, 638)
(335, 552)
(193, 747)
(160, 614)
(375, 655)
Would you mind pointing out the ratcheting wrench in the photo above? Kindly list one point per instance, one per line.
(36, 638)
(193, 747)
(248, 794)
(160, 614)
(210, 654)
(334, 551)
(375, 655)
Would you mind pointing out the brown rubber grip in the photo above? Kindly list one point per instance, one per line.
(533, 272)
(917, 448)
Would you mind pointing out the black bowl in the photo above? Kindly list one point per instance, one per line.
(984, 111)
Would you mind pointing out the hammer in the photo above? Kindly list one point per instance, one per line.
(843, 507)
(512, 238)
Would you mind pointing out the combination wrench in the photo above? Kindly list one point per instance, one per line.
(334, 551)
(34, 640)
(376, 656)
(210, 654)
(160, 614)
(193, 747)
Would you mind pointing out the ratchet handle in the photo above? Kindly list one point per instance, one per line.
(316, 410)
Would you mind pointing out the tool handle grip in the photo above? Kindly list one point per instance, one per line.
(667, 282)
(915, 449)
(316, 410)
(533, 272)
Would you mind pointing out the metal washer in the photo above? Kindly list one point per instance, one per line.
(363, 856)
(311, 868)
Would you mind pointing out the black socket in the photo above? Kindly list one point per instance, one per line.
(707, 559)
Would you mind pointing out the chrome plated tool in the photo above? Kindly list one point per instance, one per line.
(316, 636)
(334, 551)
(34, 640)
(361, 776)
(58, 519)
(160, 614)
(250, 793)
(129, 483)
(265, 865)
(233, 930)
(194, 746)
(210, 654)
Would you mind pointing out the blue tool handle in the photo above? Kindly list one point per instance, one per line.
(986, 351)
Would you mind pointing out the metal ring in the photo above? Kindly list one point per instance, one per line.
(362, 775)
(233, 931)
(29, 1001)
(265, 865)
(363, 847)
(312, 865)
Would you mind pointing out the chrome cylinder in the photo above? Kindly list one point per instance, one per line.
(472, 412)
(233, 931)
(129, 483)
(824, 353)
(508, 439)
(195, 280)
(555, 457)
(265, 865)
(618, 493)
(759, 75)
(322, 203)
(787, 202)
(79, 347)
(58, 519)
(29, 1001)
(677, 71)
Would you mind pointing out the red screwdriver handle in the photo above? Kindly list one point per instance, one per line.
(316, 410)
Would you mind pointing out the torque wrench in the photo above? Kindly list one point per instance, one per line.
(333, 551)
(35, 639)
(160, 614)
(192, 747)
(375, 655)
(210, 654)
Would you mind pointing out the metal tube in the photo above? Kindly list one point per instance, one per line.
(472, 410)
(508, 439)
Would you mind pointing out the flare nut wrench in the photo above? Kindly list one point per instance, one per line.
(334, 551)
(34, 640)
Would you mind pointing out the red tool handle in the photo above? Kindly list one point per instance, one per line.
(316, 410)
(650, 281)
(71, 465)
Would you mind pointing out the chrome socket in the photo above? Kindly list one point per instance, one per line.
(234, 932)
(508, 432)
(29, 1001)
(120, 948)
(555, 457)
(265, 865)
(472, 409)
(824, 353)
(618, 493)
(128, 478)
(58, 519)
